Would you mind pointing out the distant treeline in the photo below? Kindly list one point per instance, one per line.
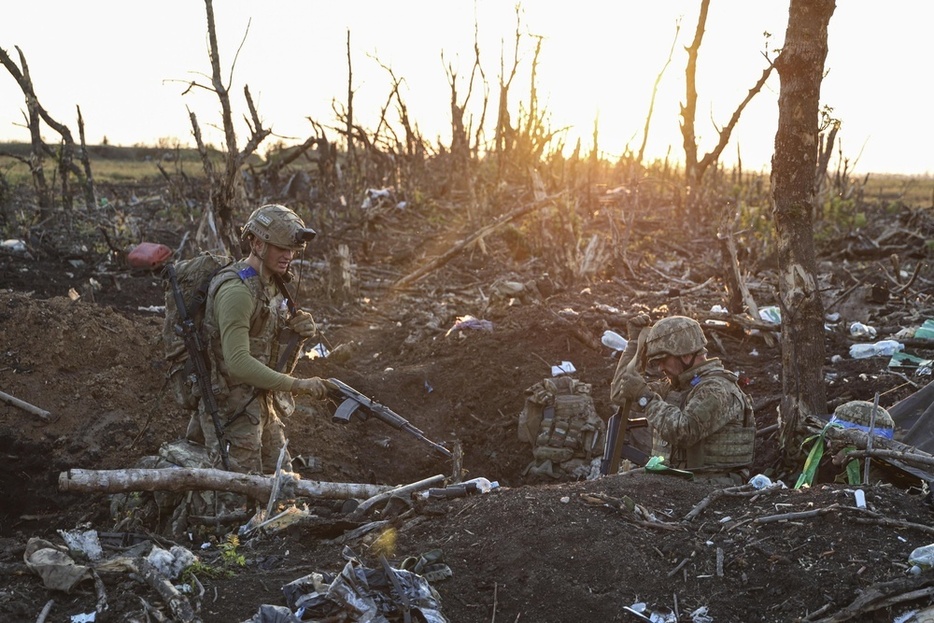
(114, 152)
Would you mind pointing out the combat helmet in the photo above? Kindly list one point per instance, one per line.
(858, 414)
(675, 335)
(278, 225)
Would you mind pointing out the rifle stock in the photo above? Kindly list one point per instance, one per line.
(189, 333)
(616, 447)
(619, 424)
(356, 403)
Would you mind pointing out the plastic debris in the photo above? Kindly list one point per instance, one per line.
(565, 367)
(612, 339)
(858, 329)
(760, 481)
(884, 348)
(860, 497)
(172, 562)
(469, 322)
(148, 255)
(771, 314)
(84, 541)
(922, 557)
(16, 247)
(363, 594)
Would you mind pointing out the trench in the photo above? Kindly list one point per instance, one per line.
(29, 495)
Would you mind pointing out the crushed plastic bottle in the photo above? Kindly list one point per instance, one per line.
(858, 329)
(884, 348)
(760, 481)
(482, 484)
(922, 557)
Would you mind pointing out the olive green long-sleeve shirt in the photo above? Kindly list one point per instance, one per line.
(233, 306)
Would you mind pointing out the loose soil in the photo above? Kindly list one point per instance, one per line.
(536, 548)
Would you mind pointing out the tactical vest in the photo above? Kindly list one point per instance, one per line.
(733, 445)
(267, 320)
(560, 422)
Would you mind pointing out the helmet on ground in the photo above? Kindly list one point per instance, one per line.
(858, 414)
(278, 225)
(675, 335)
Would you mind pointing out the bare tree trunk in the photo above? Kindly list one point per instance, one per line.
(695, 168)
(89, 197)
(794, 165)
(201, 479)
(227, 195)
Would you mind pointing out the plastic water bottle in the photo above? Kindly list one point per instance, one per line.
(612, 339)
(885, 348)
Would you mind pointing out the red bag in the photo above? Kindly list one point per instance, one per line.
(148, 255)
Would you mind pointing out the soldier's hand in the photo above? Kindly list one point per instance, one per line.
(630, 386)
(636, 324)
(303, 324)
(314, 386)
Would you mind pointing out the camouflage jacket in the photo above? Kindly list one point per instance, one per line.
(704, 421)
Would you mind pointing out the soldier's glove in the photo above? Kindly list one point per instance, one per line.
(631, 386)
(303, 324)
(315, 387)
(635, 325)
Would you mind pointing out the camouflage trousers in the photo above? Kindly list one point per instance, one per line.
(255, 437)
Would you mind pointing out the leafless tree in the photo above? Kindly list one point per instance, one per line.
(800, 67)
(35, 115)
(227, 196)
(695, 168)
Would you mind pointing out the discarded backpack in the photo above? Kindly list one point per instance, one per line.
(193, 276)
(561, 424)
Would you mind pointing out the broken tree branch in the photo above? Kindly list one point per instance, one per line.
(25, 406)
(444, 258)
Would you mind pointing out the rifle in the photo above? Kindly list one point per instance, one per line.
(616, 447)
(355, 402)
(187, 330)
(619, 424)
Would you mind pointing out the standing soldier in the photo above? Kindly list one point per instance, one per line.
(248, 323)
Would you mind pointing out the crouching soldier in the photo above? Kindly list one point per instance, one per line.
(701, 420)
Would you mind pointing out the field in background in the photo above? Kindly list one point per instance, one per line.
(111, 163)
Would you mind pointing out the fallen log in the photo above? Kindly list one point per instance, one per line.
(199, 479)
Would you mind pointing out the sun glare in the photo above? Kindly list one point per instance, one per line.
(599, 63)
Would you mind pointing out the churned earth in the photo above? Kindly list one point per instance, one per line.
(534, 549)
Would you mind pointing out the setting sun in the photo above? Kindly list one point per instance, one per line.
(598, 64)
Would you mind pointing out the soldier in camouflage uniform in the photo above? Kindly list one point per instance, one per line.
(702, 421)
(246, 319)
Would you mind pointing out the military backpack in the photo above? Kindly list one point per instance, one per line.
(194, 277)
(561, 424)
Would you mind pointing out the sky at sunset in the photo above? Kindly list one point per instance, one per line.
(127, 64)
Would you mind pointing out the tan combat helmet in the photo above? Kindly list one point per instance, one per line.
(278, 225)
(675, 335)
(858, 414)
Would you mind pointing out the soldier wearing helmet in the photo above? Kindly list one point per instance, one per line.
(701, 419)
(247, 317)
